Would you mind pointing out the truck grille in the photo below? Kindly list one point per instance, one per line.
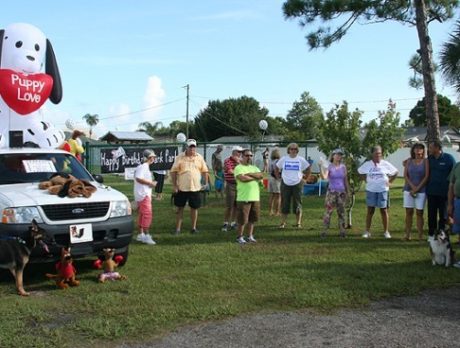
(75, 211)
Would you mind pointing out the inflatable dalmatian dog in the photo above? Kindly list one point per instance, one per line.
(29, 75)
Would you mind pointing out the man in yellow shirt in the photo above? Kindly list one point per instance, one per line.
(187, 173)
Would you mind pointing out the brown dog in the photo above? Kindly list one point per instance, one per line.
(15, 253)
(66, 271)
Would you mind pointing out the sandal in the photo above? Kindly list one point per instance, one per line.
(297, 225)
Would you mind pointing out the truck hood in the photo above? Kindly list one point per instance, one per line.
(26, 195)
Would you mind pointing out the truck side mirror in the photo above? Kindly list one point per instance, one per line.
(99, 178)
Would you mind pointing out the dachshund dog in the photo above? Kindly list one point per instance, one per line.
(15, 253)
(29, 76)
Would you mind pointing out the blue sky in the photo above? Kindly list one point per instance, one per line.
(118, 58)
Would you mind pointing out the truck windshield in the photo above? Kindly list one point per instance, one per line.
(35, 167)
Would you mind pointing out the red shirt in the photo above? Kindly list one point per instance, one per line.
(229, 165)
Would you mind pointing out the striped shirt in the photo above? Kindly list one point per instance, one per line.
(229, 165)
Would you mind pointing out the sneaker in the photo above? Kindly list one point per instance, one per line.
(241, 240)
(225, 228)
(233, 226)
(148, 240)
(456, 264)
(194, 231)
(140, 237)
(387, 235)
(175, 233)
(252, 239)
(366, 235)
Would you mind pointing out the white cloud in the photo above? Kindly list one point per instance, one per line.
(153, 99)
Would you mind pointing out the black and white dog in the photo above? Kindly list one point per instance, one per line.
(441, 250)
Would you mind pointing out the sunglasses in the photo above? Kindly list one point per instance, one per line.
(248, 155)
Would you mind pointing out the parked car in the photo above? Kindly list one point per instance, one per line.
(86, 224)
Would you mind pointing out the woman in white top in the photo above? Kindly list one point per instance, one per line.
(143, 184)
(378, 174)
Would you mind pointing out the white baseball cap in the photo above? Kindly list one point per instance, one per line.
(191, 142)
(237, 148)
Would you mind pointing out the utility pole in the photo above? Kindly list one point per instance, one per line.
(187, 87)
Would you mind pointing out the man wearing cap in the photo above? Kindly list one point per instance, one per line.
(230, 188)
(187, 172)
(143, 184)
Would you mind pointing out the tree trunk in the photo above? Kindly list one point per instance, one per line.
(426, 53)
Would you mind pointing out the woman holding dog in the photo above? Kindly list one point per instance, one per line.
(416, 173)
(337, 191)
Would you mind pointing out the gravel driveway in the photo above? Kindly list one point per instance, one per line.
(431, 319)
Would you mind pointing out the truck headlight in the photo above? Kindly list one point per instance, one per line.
(21, 215)
(120, 208)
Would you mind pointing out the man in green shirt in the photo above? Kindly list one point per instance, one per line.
(248, 179)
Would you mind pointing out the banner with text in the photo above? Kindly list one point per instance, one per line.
(115, 160)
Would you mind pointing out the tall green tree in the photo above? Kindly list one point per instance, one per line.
(303, 119)
(342, 128)
(91, 121)
(234, 116)
(449, 114)
(450, 59)
(418, 13)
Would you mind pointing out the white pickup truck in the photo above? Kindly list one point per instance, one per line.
(86, 224)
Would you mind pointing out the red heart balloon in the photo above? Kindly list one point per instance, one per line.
(24, 93)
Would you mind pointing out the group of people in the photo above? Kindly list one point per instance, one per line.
(431, 179)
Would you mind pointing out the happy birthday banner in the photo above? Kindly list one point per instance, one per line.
(115, 160)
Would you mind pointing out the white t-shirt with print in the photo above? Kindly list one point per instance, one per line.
(292, 168)
(377, 175)
(140, 190)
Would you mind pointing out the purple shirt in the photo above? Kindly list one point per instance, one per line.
(416, 174)
(336, 178)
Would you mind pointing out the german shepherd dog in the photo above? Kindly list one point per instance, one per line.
(15, 253)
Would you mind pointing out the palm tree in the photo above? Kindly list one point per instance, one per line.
(91, 121)
(149, 128)
(450, 59)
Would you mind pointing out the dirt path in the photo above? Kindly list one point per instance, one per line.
(431, 319)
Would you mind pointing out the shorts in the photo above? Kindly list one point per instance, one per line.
(218, 185)
(160, 179)
(418, 202)
(193, 199)
(291, 193)
(456, 225)
(377, 199)
(247, 212)
(274, 185)
(230, 195)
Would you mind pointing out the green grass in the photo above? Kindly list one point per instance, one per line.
(191, 278)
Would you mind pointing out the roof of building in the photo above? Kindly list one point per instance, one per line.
(126, 136)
